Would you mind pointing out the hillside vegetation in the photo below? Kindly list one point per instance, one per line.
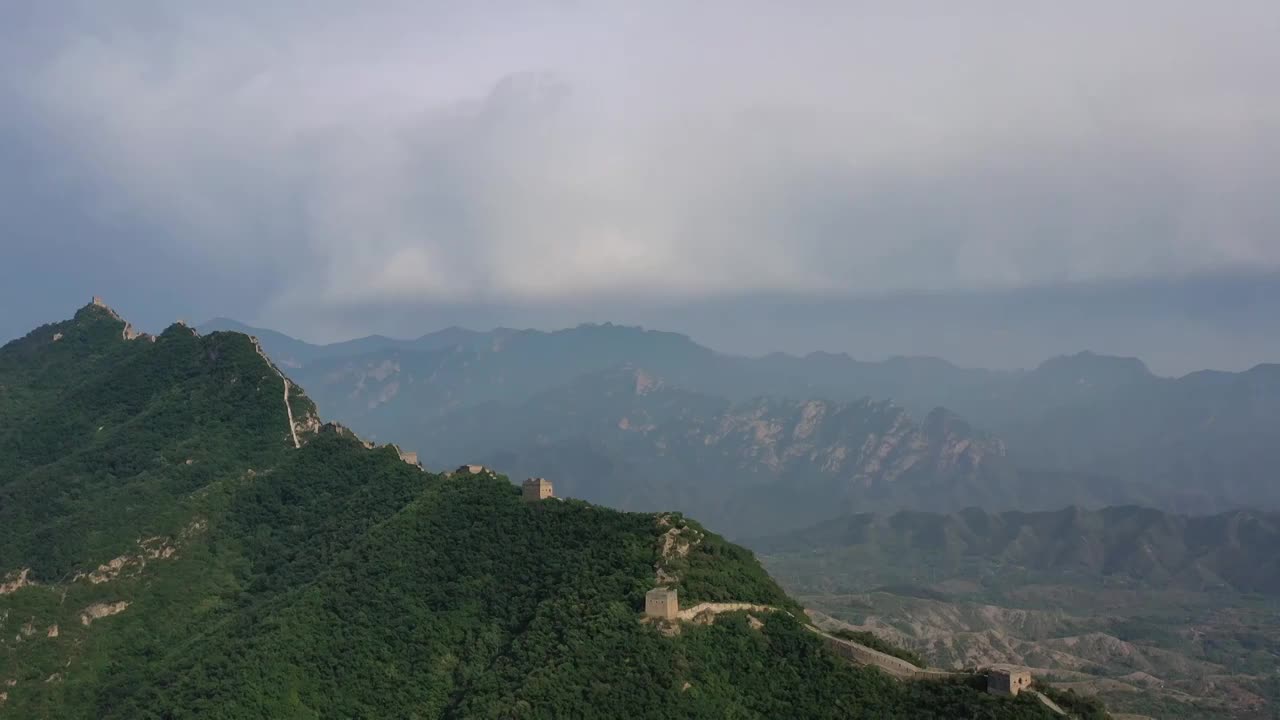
(102, 439)
(167, 553)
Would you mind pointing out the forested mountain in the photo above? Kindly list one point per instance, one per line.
(101, 437)
(1155, 550)
(181, 537)
(1087, 429)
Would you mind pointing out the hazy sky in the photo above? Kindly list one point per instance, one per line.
(330, 167)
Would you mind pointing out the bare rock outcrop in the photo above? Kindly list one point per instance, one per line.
(674, 543)
(97, 611)
(15, 581)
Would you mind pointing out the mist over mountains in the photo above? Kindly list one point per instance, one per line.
(963, 321)
(650, 419)
(1126, 545)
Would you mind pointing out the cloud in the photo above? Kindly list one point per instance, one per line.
(545, 154)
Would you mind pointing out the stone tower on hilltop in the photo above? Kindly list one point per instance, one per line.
(661, 602)
(535, 489)
(1008, 681)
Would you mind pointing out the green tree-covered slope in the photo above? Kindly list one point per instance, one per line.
(102, 438)
(335, 580)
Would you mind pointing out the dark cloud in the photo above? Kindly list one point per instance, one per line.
(293, 164)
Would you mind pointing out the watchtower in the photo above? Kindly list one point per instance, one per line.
(97, 301)
(535, 489)
(661, 602)
(1008, 682)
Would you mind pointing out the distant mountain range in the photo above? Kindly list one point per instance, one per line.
(744, 441)
(514, 364)
(1203, 442)
(625, 437)
(1233, 551)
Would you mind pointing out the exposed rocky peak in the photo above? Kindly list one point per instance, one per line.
(864, 441)
(812, 413)
(956, 444)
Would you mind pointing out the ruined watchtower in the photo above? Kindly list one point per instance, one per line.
(535, 489)
(661, 602)
(1008, 682)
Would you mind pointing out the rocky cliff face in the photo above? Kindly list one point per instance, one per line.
(861, 444)
(632, 438)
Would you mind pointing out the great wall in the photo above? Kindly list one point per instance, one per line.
(288, 410)
(863, 655)
(128, 333)
(662, 607)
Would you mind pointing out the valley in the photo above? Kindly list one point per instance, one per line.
(1157, 615)
(1151, 654)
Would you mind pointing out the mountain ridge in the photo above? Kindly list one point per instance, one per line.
(167, 551)
(1105, 426)
(625, 437)
(222, 322)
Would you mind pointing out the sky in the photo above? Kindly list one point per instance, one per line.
(991, 182)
